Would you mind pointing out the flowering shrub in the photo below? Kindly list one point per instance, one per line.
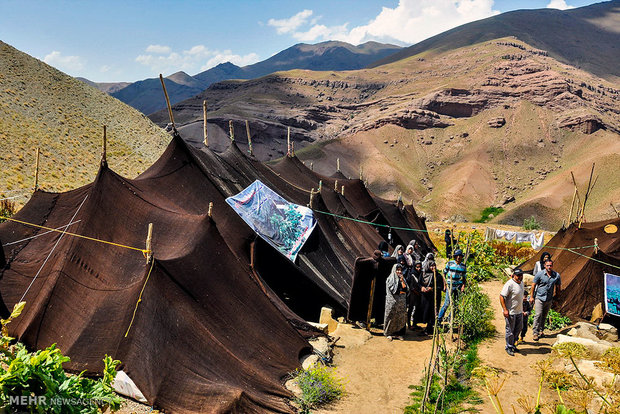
(319, 385)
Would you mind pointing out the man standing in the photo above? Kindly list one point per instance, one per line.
(455, 274)
(511, 299)
(546, 283)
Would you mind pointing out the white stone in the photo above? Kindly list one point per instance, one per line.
(326, 317)
(308, 361)
(596, 348)
(320, 326)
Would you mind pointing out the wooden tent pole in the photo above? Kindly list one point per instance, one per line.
(247, 131)
(231, 130)
(104, 149)
(163, 85)
(361, 173)
(149, 240)
(320, 185)
(311, 166)
(595, 245)
(336, 186)
(288, 142)
(585, 198)
(342, 192)
(311, 198)
(614, 208)
(36, 171)
(572, 204)
(370, 301)
(578, 198)
(205, 133)
(337, 164)
(210, 209)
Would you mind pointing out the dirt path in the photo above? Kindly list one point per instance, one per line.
(378, 373)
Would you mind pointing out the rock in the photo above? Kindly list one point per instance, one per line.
(321, 345)
(326, 317)
(292, 386)
(491, 215)
(589, 369)
(497, 122)
(320, 326)
(308, 361)
(385, 142)
(556, 160)
(604, 332)
(595, 347)
(609, 332)
(508, 199)
(587, 124)
(428, 142)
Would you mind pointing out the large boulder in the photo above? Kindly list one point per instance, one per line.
(587, 330)
(596, 348)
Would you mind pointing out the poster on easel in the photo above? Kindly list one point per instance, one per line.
(612, 294)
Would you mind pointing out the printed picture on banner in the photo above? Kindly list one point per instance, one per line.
(612, 294)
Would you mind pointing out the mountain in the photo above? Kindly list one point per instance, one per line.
(42, 107)
(586, 37)
(496, 123)
(107, 87)
(146, 95)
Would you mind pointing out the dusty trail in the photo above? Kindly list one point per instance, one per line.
(378, 373)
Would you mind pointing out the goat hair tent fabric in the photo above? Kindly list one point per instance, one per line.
(285, 226)
(582, 269)
(205, 337)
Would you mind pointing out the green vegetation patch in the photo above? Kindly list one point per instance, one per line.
(487, 212)
(319, 386)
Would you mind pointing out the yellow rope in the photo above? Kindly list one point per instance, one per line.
(140, 297)
(144, 251)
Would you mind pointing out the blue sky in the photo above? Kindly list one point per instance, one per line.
(127, 40)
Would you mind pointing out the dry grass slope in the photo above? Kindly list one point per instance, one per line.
(42, 107)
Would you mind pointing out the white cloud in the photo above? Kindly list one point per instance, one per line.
(197, 58)
(105, 68)
(409, 22)
(65, 63)
(292, 23)
(559, 4)
(159, 49)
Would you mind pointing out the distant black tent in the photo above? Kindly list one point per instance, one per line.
(582, 270)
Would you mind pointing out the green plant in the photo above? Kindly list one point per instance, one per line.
(35, 382)
(319, 385)
(486, 213)
(555, 320)
(475, 314)
(531, 223)
(7, 209)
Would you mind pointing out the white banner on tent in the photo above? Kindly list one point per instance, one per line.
(612, 294)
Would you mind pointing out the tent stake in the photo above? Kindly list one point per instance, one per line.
(247, 130)
(231, 130)
(205, 133)
(36, 171)
(104, 160)
(149, 239)
(163, 85)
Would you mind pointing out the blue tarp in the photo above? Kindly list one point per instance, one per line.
(285, 226)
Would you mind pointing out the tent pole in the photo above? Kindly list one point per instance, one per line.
(370, 301)
(288, 141)
(337, 164)
(585, 198)
(311, 198)
(247, 130)
(361, 173)
(210, 209)
(149, 239)
(595, 245)
(36, 171)
(231, 130)
(320, 185)
(336, 186)
(572, 204)
(205, 133)
(578, 198)
(612, 206)
(163, 85)
(104, 160)
(311, 166)
(343, 190)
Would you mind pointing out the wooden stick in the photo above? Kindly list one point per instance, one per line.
(336, 186)
(572, 203)
(585, 198)
(293, 149)
(337, 164)
(231, 130)
(361, 173)
(205, 133)
(595, 245)
(149, 239)
(370, 301)
(320, 185)
(311, 198)
(210, 209)
(342, 191)
(36, 171)
(288, 141)
(612, 206)
(311, 166)
(578, 198)
(163, 85)
(247, 131)
(104, 149)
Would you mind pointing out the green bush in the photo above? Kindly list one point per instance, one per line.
(35, 382)
(555, 320)
(319, 385)
(531, 223)
(7, 209)
(475, 314)
(484, 216)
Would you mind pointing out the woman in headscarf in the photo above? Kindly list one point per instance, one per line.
(413, 300)
(394, 322)
(399, 250)
(431, 286)
(417, 251)
(450, 242)
(409, 256)
(430, 257)
(540, 265)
